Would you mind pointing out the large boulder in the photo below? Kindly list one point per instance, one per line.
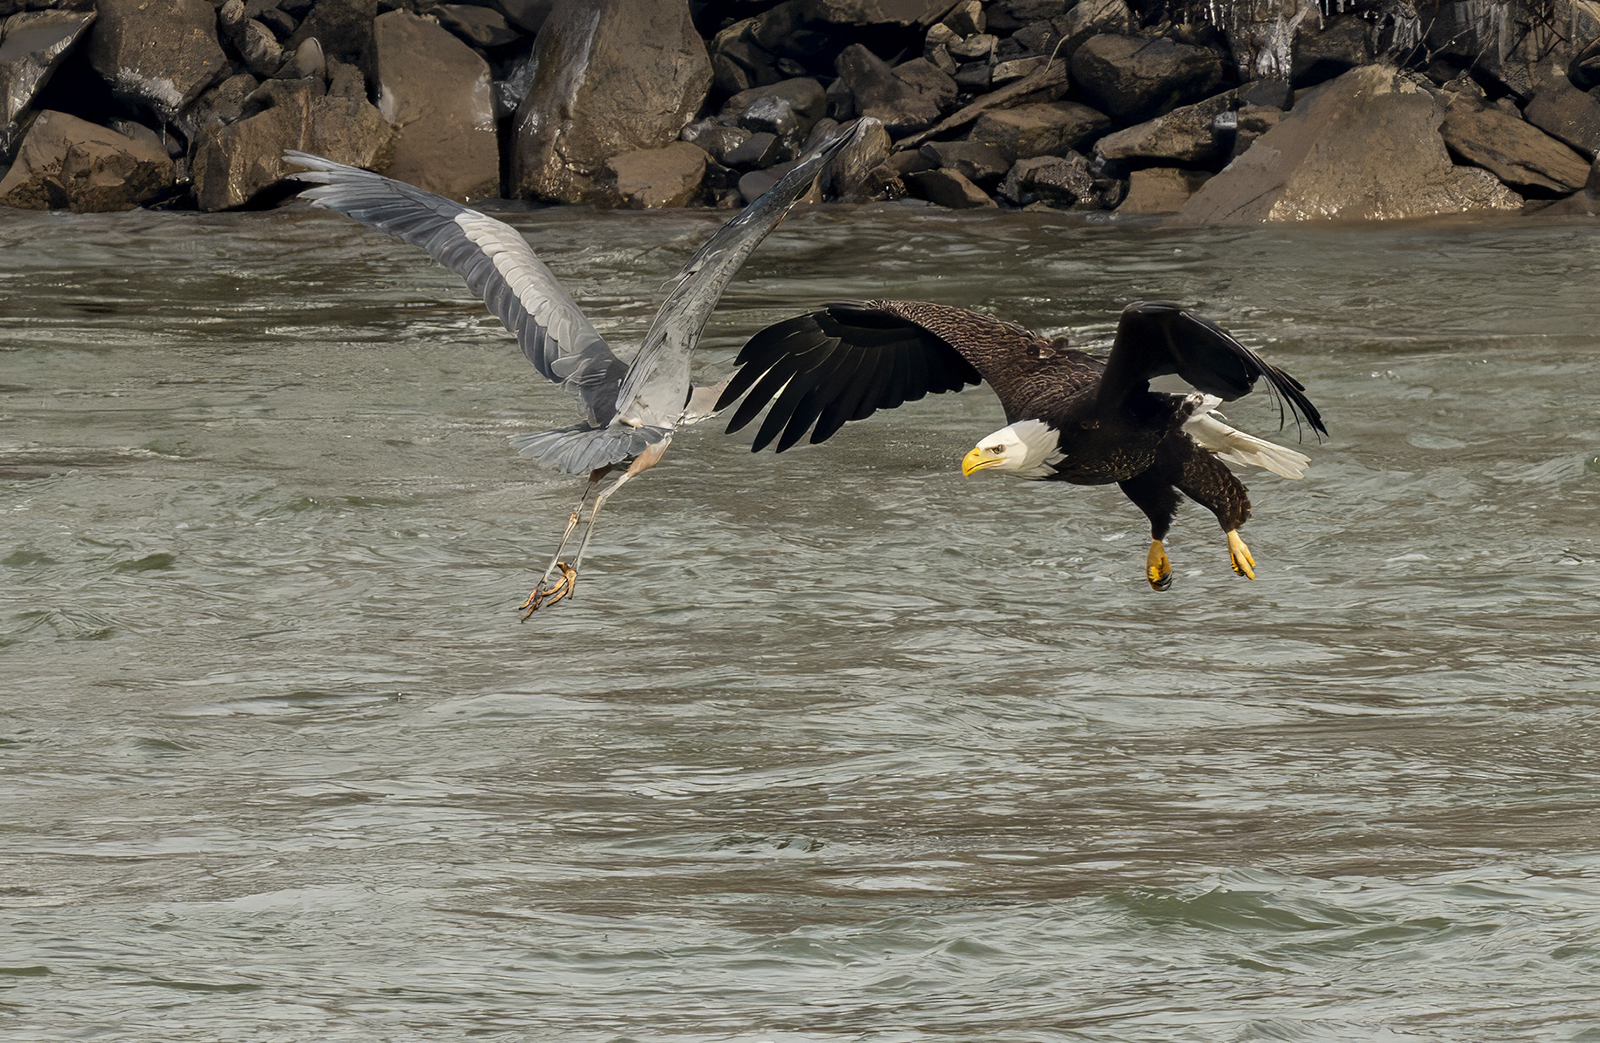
(1135, 77)
(787, 109)
(1365, 145)
(438, 94)
(1091, 18)
(1047, 128)
(66, 162)
(1523, 156)
(1161, 190)
(344, 28)
(239, 151)
(850, 176)
(32, 45)
(614, 76)
(1055, 180)
(949, 188)
(159, 54)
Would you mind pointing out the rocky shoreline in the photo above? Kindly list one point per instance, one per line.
(1260, 110)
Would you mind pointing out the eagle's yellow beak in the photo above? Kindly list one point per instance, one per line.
(976, 461)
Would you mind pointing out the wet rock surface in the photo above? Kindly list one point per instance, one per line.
(66, 162)
(1223, 112)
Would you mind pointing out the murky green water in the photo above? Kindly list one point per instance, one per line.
(832, 746)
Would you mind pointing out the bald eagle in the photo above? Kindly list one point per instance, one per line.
(1071, 417)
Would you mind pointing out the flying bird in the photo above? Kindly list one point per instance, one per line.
(629, 411)
(1071, 417)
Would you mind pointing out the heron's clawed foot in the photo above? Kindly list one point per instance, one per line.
(544, 596)
(1239, 556)
(1158, 567)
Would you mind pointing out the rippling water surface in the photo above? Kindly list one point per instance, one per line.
(830, 746)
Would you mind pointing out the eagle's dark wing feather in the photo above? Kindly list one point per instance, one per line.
(843, 362)
(1156, 338)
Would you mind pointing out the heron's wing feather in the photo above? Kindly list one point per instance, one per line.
(1155, 338)
(497, 264)
(583, 449)
(657, 385)
(848, 360)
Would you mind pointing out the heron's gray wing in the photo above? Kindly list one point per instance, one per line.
(1156, 338)
(656, 390)
(496, 263)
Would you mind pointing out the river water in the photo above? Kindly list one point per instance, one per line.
(829, 746)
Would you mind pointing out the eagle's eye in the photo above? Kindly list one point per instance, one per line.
(997, 449)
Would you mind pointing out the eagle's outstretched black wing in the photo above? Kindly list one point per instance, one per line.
(1156, 338)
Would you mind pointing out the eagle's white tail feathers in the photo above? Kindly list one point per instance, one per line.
(1236, 447)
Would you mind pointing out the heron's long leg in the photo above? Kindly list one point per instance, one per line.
(540, 592)
(599, 501)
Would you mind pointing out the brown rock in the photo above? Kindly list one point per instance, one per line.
(343, 27)
(437, 93)
(157, 53)
(1055, 180)
(1327, 47)
(1161, 190)
(948, 188)
(977, 161)
(787, 109)
(614, 76)
(1040, 129)
(1132, 77)
(1365, 145)
(1090, 18)
(1563, 111)
(68, 162)
(1184, 135)
(1521, 155)
(650, 179)
(34, 44)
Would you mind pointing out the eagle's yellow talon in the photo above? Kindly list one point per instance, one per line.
(1158, 567)
(1239, 556)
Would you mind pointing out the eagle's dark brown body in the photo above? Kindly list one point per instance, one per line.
(845, 361)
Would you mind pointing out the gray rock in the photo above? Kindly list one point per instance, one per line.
(850, 176)
(1563, 111)
(1047, 85)
(949, 188)
(738, 62)
(1335, 46)
(344, 28)
(279, 21)
(965, 19)
(160, 54)
(477, 26)
(346, 127)
(975, 48)
(66, 162)
(1038, 38)
(650, 179)
(906, 98)
(910, 162)
(1523, 156)
(614, 76)
(871, 12)
(221, 105)
(437, 93)
(32, 45)
(1039, 129)
(714, 138)
(1132, 77)
(788, 109)
(977, 161)
(1161, 190)
(527, 15)
(1365, 145)
(1090, 18)
(1017, 68)
(757, 151)
(1055, 180)
(975, 78)
(1184, 135)
(307, 61)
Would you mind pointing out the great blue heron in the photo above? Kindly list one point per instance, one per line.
(629, 410)
(1072, 417)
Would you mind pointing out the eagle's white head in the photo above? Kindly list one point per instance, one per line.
(1025, 449)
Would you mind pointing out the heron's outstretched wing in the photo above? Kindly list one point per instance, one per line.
(849, 359)
(656, 390)
(1155, 338)
(496, 263)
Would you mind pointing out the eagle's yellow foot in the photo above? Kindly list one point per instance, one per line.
(561, 588)
(1158, 567)
(1239, 556)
